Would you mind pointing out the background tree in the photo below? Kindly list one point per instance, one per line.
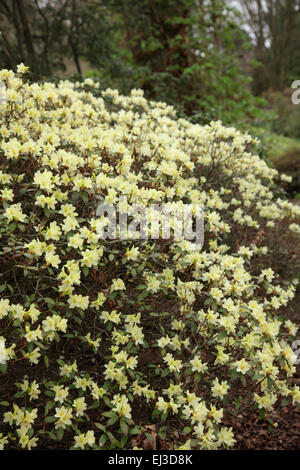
(274, 26)
(43, 34)
(186, 52)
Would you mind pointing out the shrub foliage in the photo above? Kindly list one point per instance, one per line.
(105, 337)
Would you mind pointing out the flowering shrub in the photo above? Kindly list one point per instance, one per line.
(104, 337)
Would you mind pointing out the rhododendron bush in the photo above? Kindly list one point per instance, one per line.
(103, 338)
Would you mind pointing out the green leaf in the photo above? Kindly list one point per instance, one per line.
(46, 360)
(136, 429)
(222, 335)
(124, 427)
(142, 296)
(111, 437)
(85, 196)
(50, 419)
(4, 403)
(123, 440)
(112, 420)
(100, 426)
(85, 271)
(102, 440)
(133, 272)
(155, 413)
(75, 195)
(12, 226)
(285, 401)
(149, 436)
(197, 377)
(187, 430)
(262, 414)
(109, 414)
(2, 287)
(49, 405)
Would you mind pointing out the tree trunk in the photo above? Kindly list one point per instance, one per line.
(31, 57)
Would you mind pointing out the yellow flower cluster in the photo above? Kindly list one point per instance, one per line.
(135, 325)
